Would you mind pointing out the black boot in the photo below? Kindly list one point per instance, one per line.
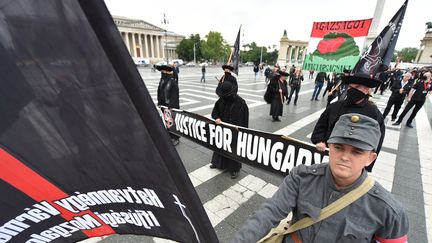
(234, 174)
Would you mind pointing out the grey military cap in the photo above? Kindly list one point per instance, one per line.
(357, 130)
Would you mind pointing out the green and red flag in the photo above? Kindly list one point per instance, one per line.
(337, 45)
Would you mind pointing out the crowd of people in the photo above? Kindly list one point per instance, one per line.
(342, 96)
(352, 128)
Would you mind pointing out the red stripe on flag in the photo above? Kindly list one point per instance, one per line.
(354, 28)
(402, 239)
(17, 174)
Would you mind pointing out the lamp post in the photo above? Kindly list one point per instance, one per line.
(194, 52)
(261, 55)
(165, 22)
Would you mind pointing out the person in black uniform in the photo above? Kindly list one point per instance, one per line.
(384, 78)
(416, 98)
(399, 92)
(229, 108)
(333, 87)
(330, 82)
(279, 91)
(168, 93)
(356, 101)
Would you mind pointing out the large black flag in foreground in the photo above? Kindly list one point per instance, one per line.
(83, 151)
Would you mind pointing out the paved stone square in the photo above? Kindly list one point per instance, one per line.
(404, 165)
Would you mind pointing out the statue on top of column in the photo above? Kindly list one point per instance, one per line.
(428, 27)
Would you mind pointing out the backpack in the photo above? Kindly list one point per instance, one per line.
(268, 96)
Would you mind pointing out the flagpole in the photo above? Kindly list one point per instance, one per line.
(229, 59)
(232, 51)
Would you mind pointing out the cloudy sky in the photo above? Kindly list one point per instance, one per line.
(264, 21)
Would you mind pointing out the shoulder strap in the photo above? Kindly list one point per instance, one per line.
(326, 212)
(336, 206)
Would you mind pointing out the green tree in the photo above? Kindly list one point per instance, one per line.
(215, 47)
(271, 57)
(407, 54)
(254, 54)
(185, 48)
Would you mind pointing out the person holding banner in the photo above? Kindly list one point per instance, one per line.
(168, 93)
(229, 108)
(279, 90)
(335, 201)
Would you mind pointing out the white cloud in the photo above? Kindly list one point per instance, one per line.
(265, 21)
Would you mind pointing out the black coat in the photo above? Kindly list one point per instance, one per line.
(168, 92)
(295, 81)
(235, 111)
(395, 88)
(229, 78)
(321, 77)
(276, 107)
(421, 90)
(329, 117)
(176, 72)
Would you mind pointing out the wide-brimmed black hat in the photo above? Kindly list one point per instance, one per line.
(228, 66)
(164, 68)
(226, 89)
(363, 79)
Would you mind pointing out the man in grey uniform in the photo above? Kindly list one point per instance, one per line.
(374, 217)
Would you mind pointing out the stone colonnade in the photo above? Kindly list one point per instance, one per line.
(144, 45)
(291, 51)
(295, 54)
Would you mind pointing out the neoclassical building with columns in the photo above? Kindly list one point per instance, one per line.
(291, 52)
(144, 40)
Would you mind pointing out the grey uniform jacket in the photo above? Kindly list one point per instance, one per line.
(308, 189)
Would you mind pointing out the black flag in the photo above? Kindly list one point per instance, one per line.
(236, 53)
(83, 152)
(379, 54)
